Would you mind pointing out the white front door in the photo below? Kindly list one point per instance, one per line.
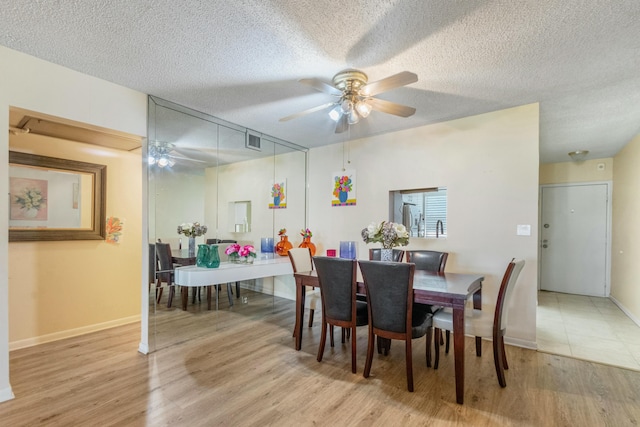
(574, 238)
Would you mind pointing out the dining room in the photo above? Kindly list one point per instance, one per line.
(479, 240)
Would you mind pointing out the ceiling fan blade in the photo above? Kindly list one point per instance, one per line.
(401, 79)
(309, 111)
(391, 107)
(321, 86)
(343, 124)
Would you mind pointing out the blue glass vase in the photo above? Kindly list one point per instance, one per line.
(203, 254)
(213, 257)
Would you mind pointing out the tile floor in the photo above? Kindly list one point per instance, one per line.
(588, 328)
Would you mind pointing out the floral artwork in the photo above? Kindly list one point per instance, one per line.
(344, 188)
(114, 230)
(278, 194)
(28, 199)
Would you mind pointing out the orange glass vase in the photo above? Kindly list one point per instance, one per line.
(307, 243)
(283, 246)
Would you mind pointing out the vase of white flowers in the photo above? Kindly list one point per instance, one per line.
(390, 234)
(192, 230)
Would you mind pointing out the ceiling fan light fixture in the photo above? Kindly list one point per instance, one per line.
(353, 117)
(151, 160)
(163, 161)
(335, 113)
(363, 109)
(347, 106)
(578, 155)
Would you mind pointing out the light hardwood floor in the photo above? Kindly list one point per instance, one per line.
(238, 367)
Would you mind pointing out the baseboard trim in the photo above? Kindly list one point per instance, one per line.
(531, 345)
(6, 394)
(143, 348)
(625, 311)
(69, 333)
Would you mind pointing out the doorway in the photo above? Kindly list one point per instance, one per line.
(574, 238)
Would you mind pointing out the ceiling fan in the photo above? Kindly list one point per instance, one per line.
(165, 154)
(355, 97)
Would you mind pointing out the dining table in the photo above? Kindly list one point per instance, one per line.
(183, 257)
(441, 289)
(190, 276)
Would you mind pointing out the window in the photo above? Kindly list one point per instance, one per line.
(423, 211)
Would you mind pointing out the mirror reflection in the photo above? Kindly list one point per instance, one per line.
(220, 175)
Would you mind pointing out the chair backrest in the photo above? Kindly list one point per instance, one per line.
(337, 278)
(163, 252)
(300, 259)
(375, 254)
(153, 262)
(504, 294)
(428, 260)
(389, 288)
(215, 241)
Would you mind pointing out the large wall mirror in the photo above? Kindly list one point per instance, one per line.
(203, 169)
(55, 199)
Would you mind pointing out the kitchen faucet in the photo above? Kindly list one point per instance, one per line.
(441, 229)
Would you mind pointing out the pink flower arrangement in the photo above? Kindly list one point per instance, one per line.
(235, 250)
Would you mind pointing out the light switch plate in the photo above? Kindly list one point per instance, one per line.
(523, 230)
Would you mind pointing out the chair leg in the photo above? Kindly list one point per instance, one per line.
(409, 362)
(353, 351)
(237, 289)
(446, 346)
(172, 291)
(504, 354)
(311, 311)
(379, 344)
(428, 349)
(158, 292)
(230, 294)
(193, 296)
(478, 346)
(323, 339)
(331, 335)
(367, 363)
(436, 345)
(497, 360)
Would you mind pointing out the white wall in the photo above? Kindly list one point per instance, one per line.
(489, 165)
(30, 83)
(625, 250)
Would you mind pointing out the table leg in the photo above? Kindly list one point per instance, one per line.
(184, 290)
(477, 305)
(458, 349)
(208, 297)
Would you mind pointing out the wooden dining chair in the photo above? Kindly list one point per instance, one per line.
(490, 322)
(301, 261)
(338, 285)
(166, 272)
(428, 260)
(375, 254)
(392, 312)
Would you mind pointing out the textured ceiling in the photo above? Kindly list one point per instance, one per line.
(241, 60)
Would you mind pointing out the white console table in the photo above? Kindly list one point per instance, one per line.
(191, 276)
